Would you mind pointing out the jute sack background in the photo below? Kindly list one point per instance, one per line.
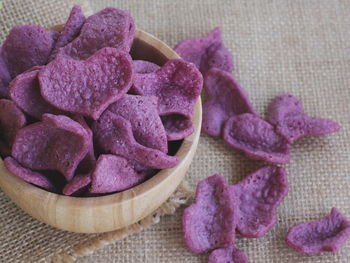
(300, 47)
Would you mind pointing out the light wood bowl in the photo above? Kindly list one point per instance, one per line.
(115, 211)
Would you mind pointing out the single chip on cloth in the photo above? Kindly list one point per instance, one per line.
(111, 27)
(209, 222)
(177, 126)
(225, 99)
(227, 255)
(113, 134)
(27, 46)
(142, 112)
(76, 184)
(286, 112)
(206, 52)
(259, 195)
(5, 77)
(113, 173)
(144, 67)
(57, 143)
(28, 175)
(87, 87)
(256, 138)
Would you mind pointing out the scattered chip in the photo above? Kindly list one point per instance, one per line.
(110, 27)
(177, 126)
(57, 143)
(209, 222)
(87, 87)
(287, 113)
(228, 255)
(225, 99)
(327, 234)
(113, 134)
(78, 183)
(206, 52)
(5, 77)
(256, 138)
(259, 195)
(144, 67)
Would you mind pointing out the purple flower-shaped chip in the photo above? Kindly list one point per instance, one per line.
(227, 255)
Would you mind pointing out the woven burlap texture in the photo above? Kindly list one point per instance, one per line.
(300, 47)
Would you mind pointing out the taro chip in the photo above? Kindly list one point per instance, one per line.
(28, 175)
(206, 52)
(77, 184)
(327, 234)
(5, 77)
(259, 193)
(227, 255)
(287, 113)
(256, 138)
(209, 222)
(27, 46)
(177, 126)
(225, 99)
(57, 143)
(113, 173)
(142, 112)
(110, 27)
(113, 134)
(25, 92)
(144, 67)
(87, 87)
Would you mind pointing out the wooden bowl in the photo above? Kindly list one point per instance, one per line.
(114, 211)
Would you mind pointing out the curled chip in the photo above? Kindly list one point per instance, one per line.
(225, 99)
(177, 126)
(228, 255)
(27, 46)
(259, 193)
(78, 183)
(144, 67)
(142, 112)
(209, 222)
(327, 234)
(287, 113)
(25, 92)
(206, 52)
(87, 87)
(5, 77)
(110, 27)
(28, 175)
(57, 143)
(113, 173)
(113, 134)
(256, 138)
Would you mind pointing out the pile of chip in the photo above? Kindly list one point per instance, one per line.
(79, 117)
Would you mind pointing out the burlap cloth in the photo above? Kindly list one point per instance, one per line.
(301, 47)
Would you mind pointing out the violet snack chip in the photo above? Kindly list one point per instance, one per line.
(144, 67)
(76, 184)
(256, 138)
(209, 222)
(287, 113)
(228, 255)
(5, 77)
(87, 87)
(327, 234)
(225, 99)
(110, 27)
(259, 193)
(57, 143)
(177, 126)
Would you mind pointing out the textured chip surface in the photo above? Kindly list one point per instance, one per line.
(87, 87)
(209, 222)
(227, 255)
(256, 138)
(259, 195)
(77, 183)
(144, 67)
(5, 77)
(177, 126)
(225, 99)
(327, 234)
(286, 112)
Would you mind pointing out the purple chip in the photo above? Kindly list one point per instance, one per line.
(112, 174)
(28, 175)
(206, 52)
(209, 222)
(27, 46)
(110, 27)
(78, 183)
(327, 234)
(142, 112)
(225, 99)
(25, 92)
(87, 87)
(113, 134)
(256, 138)
(144, 67)
(259, 193)
(177, 126)
(5, 77)
(57, 143)
(228, 255)
(287, 113)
